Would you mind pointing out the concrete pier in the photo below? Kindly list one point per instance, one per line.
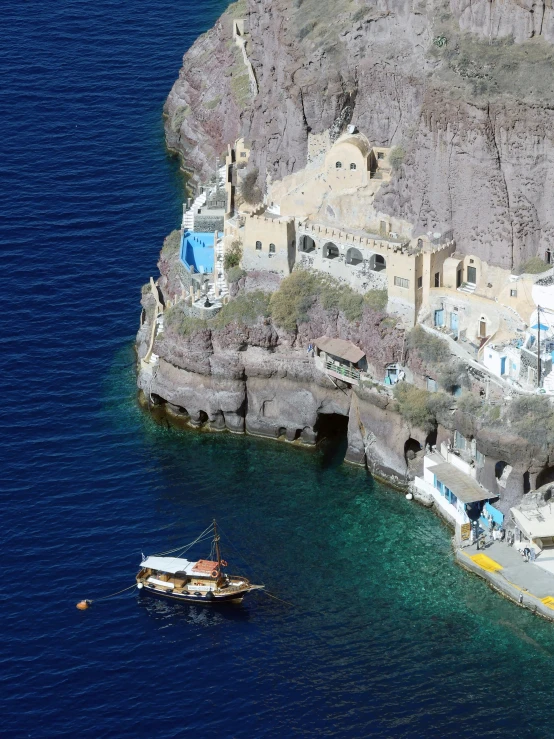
(504, 568)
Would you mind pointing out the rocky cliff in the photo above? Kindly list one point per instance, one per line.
(464, 88)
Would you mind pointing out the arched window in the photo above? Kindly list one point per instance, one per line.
(352, 166)
(338, 165)
(420, 243)
(272, 248)
(258, 245)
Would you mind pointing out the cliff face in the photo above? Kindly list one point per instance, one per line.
(465, 88)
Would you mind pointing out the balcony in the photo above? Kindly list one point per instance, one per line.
(342, 372)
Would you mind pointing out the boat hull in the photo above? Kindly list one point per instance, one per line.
(200, 599)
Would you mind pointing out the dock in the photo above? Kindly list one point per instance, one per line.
(528, 584)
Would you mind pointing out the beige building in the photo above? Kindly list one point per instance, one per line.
(269, 243)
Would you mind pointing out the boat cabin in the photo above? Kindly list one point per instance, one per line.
(341, 359)
(176, 573)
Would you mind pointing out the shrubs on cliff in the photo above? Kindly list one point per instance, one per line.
(249, 189)
(234, 274)
(233, 255)
(178, 322)
(431, 349)
(298, 293)
(396, 157)
(171, 244)
(245, 309)
(532, 417)
(533, 266)
(419, 407)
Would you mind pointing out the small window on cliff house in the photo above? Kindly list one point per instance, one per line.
(338, 165)
(419, 282)
(243, 153)
(548, 257)
(437, 279)
(352, 166)
(258, 245)
(380, 155)
(420, 243)
(272, 248)
(513, 293)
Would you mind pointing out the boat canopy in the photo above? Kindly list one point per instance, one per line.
(172, 565)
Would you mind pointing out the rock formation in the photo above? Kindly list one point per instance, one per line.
(463, 88)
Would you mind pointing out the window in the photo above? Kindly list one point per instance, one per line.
(243, 153)
(431, 385)
(258, 245)
(437, 279)
(401, 282)
(548, 256)
(272, 248)
(419, 283)
(352, 166)
(460, 442)
(380, 155)
(513, 293)
(338, 165)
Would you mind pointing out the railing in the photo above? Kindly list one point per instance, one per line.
(342, 370)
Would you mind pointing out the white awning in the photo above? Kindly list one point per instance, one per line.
(171, 565)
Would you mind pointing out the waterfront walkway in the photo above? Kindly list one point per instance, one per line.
(526, 583)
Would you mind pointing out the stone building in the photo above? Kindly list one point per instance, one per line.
(269, 243)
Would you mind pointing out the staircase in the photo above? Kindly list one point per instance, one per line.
(188, 215)
(467, 287)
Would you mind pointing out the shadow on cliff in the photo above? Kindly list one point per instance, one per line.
(331, 431)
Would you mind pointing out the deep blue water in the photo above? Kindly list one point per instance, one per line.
(386, 637)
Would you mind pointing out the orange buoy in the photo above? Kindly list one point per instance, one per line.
(82, 605)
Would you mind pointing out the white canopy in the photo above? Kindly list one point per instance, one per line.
(171, 565)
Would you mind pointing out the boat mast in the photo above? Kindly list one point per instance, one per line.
(216, 542)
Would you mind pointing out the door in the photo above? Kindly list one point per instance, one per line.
(454, 322)
(503, 365)
(482, 329)
(472, 275)
(458, 278)
(439, 318)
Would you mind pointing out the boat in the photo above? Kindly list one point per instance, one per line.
(204, 581)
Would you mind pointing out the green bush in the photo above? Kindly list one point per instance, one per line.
(452, 376)
(171, 244)
(533, 266)
(233, 255)
(377, 299)
(234, 274)
(396, 157)
(297, 294)
(532, 417)
(177, 321)
(469, 403)
(290, 304)
(419, 407)
(249, 189)
(431, 349)
(246, 309)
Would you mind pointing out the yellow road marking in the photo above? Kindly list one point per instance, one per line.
(486, 563)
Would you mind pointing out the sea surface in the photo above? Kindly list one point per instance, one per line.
(382, 634)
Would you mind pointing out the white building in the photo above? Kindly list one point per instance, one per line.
(451, 483)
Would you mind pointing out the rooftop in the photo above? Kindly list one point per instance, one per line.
(340, 348)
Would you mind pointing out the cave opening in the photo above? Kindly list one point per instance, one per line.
(331, 430)
(545, 476)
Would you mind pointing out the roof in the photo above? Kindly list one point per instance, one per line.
(535, 522)
(464, 487)
(205, 566)
(172, 565)
(340, 348)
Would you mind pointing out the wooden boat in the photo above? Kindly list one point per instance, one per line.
(204, 581)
